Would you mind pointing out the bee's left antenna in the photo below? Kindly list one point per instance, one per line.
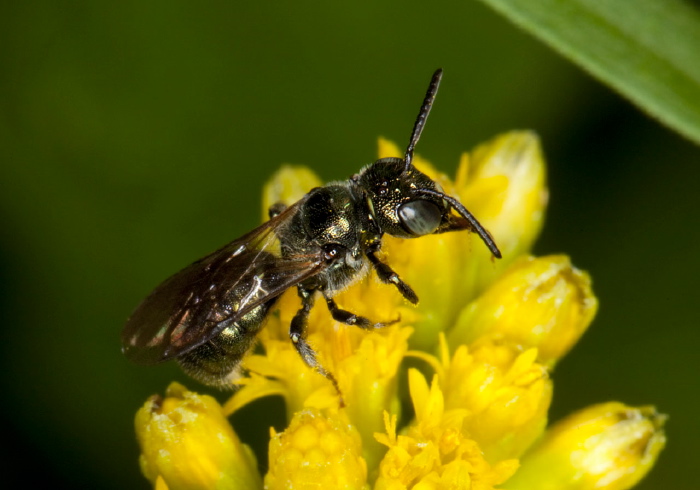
(423, 116)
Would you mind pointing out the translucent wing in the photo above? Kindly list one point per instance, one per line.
(197, 303)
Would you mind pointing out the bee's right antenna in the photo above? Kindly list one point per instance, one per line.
(422, 116)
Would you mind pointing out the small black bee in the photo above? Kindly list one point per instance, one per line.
(207, 315)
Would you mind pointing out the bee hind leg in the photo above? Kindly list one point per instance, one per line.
(297, 334)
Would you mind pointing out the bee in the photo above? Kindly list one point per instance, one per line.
(207, 316)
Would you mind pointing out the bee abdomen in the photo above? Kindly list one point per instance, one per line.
(215, 363)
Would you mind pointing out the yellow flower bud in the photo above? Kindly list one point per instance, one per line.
(316, 452)
(187, 443)
(539, 302)
(503, 185)
(609, 446)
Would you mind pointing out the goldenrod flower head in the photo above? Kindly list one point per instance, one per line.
(187, 443)
(316, 452)
(489, 331)
(609, 446)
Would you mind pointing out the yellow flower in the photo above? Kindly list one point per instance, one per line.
(487, 332)
(435, 452)
(505, 392)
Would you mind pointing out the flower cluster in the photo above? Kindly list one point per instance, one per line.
(476, 355)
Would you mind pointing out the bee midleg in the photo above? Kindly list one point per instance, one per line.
(387, 275)
(349, 318)
(297, 334)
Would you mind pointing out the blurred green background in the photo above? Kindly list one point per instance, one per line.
(136, 136)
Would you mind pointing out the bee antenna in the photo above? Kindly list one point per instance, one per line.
(464, 213)
(422, 116)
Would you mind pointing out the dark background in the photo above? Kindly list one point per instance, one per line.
(136, 136)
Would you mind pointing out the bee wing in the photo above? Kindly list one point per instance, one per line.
(197, 303)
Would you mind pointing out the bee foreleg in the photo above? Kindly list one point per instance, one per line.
(349, 318)
(387, 275)
(297, 334)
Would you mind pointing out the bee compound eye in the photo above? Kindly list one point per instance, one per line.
(420, 217)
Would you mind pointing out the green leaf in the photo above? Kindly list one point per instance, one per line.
(648, 50)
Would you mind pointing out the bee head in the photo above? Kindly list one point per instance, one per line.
(397, 200)
(406, 203)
